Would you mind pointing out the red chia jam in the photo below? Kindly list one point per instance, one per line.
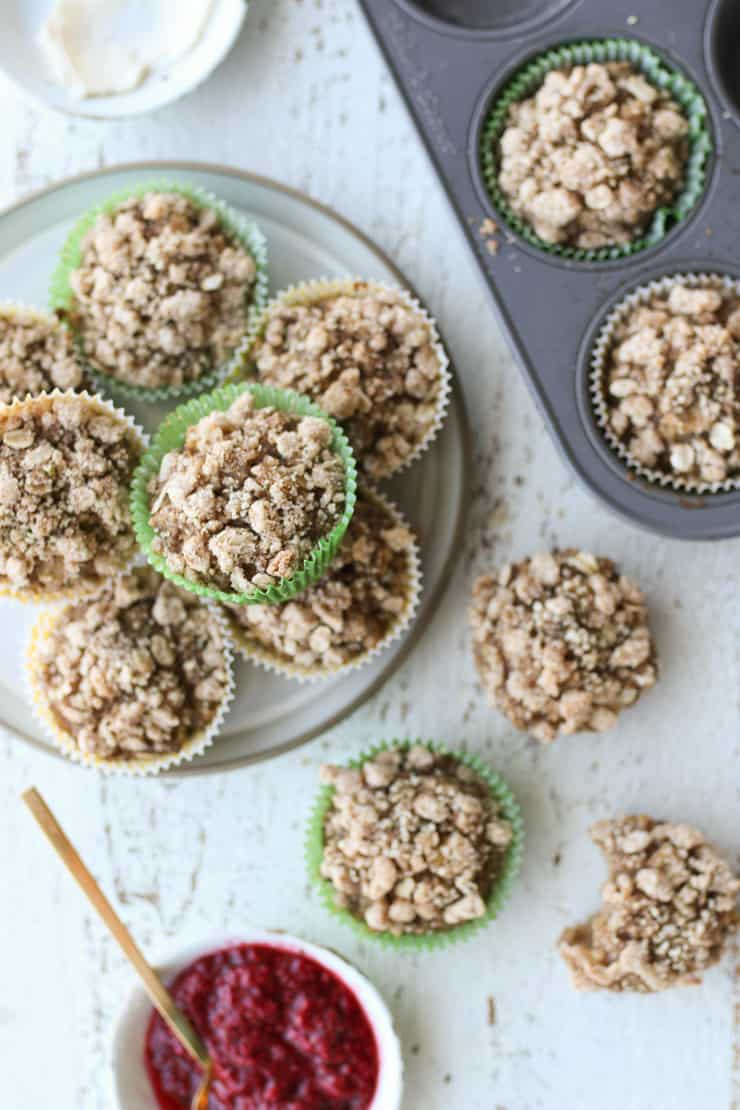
(284, 1033)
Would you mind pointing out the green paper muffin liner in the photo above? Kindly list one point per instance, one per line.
(170, 437)
(509, 808)
(528, 79)
(61, 295)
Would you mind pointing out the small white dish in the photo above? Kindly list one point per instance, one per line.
(131, 1087)
(23, 60)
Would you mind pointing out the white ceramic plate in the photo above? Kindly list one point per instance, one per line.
(24, 62)
(131, 1085)
(270, 714)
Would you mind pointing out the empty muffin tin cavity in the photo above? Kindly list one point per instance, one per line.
(473, 16)
(722, 49)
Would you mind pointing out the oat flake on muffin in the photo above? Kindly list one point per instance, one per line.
(369, 358)
(671, 379)
(139, 670)
(668, 909)
(588, 158)
(161, 293)
(66, 462)
(37, 355)
(561, 642)
(247, 497)
(367, 590)
(413, 841)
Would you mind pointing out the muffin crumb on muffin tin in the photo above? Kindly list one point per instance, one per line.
(37, 355)
(363, 595)
(247, 497)
(161, 291)
(368, 357)
(668, 909)
(561, 642)
(138, 670)
(670, 379)
(588, 158)
(413, 841)
(66, 461)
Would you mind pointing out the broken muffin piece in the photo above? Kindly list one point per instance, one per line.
(369, 357)
(669, 908)
(588, 158)
(162, 291)
(561, 642)
(141, 670)
(247, 497)
(66, 462)
(414, 841)
(363, 599)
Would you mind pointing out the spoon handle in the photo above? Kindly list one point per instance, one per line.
(153, 985)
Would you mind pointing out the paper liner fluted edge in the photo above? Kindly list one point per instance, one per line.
(239, 227)
(137, 766)
(255, 652)
(320, 289)
(88, 589)
(170, 436)
(599, 403)
(660, 73)
(508, 807)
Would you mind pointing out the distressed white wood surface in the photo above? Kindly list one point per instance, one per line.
(305, 98)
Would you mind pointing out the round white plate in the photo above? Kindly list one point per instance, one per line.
(24, 62)
(131, 1087)
(270, 714)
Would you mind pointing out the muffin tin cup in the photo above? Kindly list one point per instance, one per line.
(254, 652)
(138, 766)
(15, 311)
(80, 589)
(509, 808)
(599, 401)
(528, 79)
(62, 299)
(170, 437)
(321, 289)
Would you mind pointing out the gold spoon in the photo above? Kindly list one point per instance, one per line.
(153, 985)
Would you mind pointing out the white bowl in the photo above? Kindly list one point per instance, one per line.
(22, 59)
(131, 1086)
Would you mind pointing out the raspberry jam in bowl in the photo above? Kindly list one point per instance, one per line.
(289, 1026)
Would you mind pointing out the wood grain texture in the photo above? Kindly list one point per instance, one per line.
(304, 97)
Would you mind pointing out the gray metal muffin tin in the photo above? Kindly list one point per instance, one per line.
(450, 57)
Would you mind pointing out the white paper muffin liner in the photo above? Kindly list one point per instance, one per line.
(88, 589)
(597, 377)
(255, 652)
(140, 765)
(320, 289)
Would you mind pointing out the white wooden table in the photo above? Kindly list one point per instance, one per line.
(305, 98)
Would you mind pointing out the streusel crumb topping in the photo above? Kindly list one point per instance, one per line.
(368, 359)
(162, 291)
(589, 157)
(362, 596)
(36, 355)
(668, 909)
(247, 497)
(65, 467)
(413, 841)
(672, 380)
(140, 669)
(561, 643)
